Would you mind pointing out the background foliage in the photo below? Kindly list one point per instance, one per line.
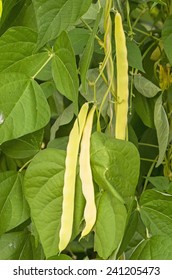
(51, 55)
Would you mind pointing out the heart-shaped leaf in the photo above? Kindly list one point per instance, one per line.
(23, 106)
(43, 190)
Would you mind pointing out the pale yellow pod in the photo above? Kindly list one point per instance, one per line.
(122, 80)
(70, 178)
(86, 175)
(0, 8)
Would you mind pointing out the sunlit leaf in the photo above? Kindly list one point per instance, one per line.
(156, 212)
(14, 209)
(115, 165)
(134, 56)
(61, 14)
(110, 225)
(155, 248)
(23, 106)
(43, 190)
(19, 246)
(162, 128)
(145, 87)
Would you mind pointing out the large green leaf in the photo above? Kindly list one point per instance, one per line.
(54, 16)
(23, 106)
(19, 246)
(115, 165)
(25, 146)
(145, 87)
(14, 209)
(162, 128)
(130, 230)
(155, 248)
(110, 225)
(161, 183)
(28, 17)
(7, 163)
(59, 143)
(79, 38)
(12, 13)
(167, 37)
(145, 108)
(20, 42)
(156, 212)
(134, 55)
(43, 189)
(64, 69)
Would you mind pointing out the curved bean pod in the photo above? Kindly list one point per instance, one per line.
(86, 175)
(70, 178)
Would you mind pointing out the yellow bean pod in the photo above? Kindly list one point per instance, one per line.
(122, 80)
(0, 8)
(86, 175)
(70, 178)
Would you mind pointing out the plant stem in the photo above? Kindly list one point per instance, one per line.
(45, 63)
(149, 173)
(147, 144)
(26, 163)
(146, 33)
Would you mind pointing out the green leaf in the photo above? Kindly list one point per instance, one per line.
(7, 7)
(7, 163)
(43, 187)
(110, 225)
(23, 147)
(48, 88)
(14, 209)
(59, 14)
(134, 56)
(79, 38)
(88, 51)
(28, 18)
(19, 246)
(101, 88)
(20, 42)
(167, 37)
(31, 65)
(155, 248)
(115, 165)
(59, 143)
(24, 61)
(161, 183)
(130, 230)
(92, 12)
(64, 69)
(145, 87)
(63, 119)
(156, 212)
(12, 11)
(144, 108)
(162, 128)
(24, 108)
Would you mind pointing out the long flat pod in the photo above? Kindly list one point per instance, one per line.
(122, 80)
(86, 175)
(0, 8)
(70, 177)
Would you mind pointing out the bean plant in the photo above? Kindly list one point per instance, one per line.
(85, 129)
